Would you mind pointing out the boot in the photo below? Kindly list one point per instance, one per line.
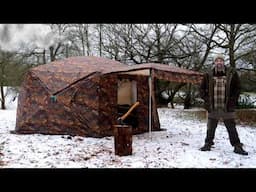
(239, 150)
(206, 147)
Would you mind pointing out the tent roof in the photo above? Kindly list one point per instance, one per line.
(59, 74)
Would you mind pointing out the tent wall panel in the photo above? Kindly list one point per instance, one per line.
(68, 115)
(108, 104)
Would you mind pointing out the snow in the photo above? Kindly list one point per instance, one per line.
(177, 146)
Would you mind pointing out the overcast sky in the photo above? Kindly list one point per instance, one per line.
(12, 36)
(28, 36)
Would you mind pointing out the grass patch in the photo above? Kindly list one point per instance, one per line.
(246, 116)
(243, 116)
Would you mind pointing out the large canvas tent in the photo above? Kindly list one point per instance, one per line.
(86, 95)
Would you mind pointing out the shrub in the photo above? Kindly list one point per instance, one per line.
(245, 102)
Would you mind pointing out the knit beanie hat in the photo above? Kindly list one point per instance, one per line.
(219, 56)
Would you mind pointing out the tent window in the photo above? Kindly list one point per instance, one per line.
(127, 92)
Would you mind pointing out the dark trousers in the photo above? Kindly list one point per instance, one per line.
(231, 128)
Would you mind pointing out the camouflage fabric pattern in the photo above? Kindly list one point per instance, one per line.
(78, 96)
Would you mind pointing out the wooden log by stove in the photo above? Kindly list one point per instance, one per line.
(123, 139)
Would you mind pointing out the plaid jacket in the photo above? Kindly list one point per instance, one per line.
(232, 90)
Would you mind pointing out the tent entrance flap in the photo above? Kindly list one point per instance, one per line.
(126, 97)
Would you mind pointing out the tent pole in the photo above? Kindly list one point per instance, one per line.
(150, 102)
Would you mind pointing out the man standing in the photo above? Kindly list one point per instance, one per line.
(220, 90)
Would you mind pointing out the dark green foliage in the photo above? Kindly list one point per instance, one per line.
(248, 81)
(246, 102)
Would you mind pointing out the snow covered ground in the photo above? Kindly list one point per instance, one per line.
(175, 147)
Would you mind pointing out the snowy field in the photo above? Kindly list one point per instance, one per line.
(175, 147)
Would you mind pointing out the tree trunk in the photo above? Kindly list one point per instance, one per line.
(176, 89)
(66, 49)
(100, 35)
(231, 46)
(51, 53)
(2, 97)
(83, 46)
(170, 99)
(187, 100)
(44, 57)
(87, 41)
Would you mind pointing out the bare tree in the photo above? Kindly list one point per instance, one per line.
(140, 43)
(100, 38)
(58, 46)
(99, 33)
(190, 52)
(237, 40)
(80, 37)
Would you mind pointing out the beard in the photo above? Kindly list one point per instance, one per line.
(219, 68)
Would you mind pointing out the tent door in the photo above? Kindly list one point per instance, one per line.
(126, 97)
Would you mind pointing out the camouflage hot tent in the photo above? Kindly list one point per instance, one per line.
(85, 96)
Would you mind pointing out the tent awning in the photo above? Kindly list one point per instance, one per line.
(165, 72)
